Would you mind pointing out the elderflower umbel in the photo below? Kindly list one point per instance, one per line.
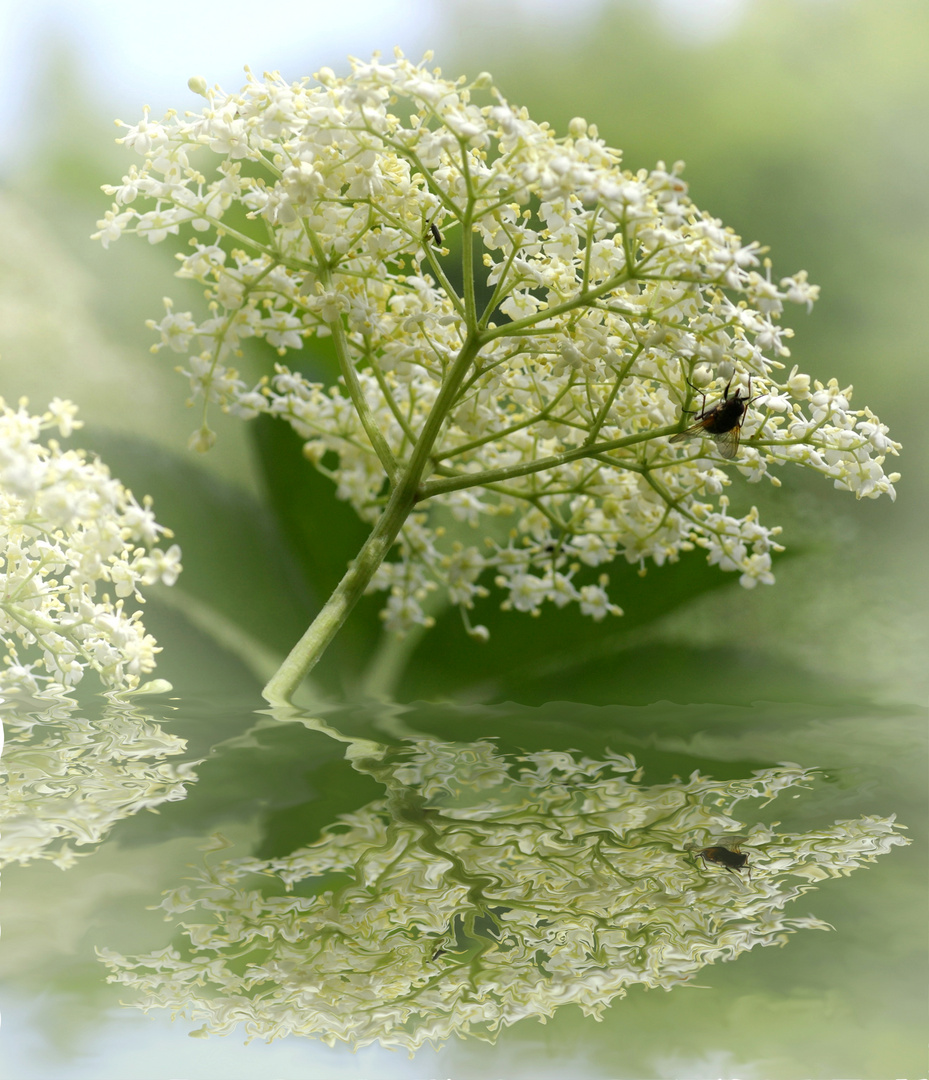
(68, 529)
(483, 890)
(543, 389)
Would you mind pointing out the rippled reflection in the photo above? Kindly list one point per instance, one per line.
(484, 888)
(70, 771)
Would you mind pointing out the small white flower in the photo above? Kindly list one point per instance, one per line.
(201, 440)
(777, 403)
(63, 413)
(596, 603)
(798, 385)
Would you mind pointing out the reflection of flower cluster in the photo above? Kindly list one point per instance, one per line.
(66, 528)
(68, 777)
(543, 388)
(482, 891)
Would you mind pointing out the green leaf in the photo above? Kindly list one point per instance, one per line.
(561, 649)
(235, 561)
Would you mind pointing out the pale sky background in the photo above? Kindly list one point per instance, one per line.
(143, 53)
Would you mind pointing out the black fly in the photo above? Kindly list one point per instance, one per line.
(733, 860)
(722, 421)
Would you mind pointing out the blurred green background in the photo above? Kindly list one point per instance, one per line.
(805, 126)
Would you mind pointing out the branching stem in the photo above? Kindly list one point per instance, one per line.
(404, 495)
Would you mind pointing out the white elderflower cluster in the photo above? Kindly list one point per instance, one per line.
(68, 529)
(69, 775)
(482, 891)
(520, 324)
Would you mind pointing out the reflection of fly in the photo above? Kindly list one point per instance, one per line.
(733, 860)
(722, 421)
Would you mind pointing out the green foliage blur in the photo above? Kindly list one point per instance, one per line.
(804, 127)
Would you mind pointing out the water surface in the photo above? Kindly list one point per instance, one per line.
(550, 866)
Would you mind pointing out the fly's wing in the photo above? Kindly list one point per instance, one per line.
(727, 442)
(693, 432)
(733, 841)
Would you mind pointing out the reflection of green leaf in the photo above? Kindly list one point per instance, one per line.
(292, 779)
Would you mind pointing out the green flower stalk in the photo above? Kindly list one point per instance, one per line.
(483, 890)
(521, 327)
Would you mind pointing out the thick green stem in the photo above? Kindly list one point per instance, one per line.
(305, 654)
